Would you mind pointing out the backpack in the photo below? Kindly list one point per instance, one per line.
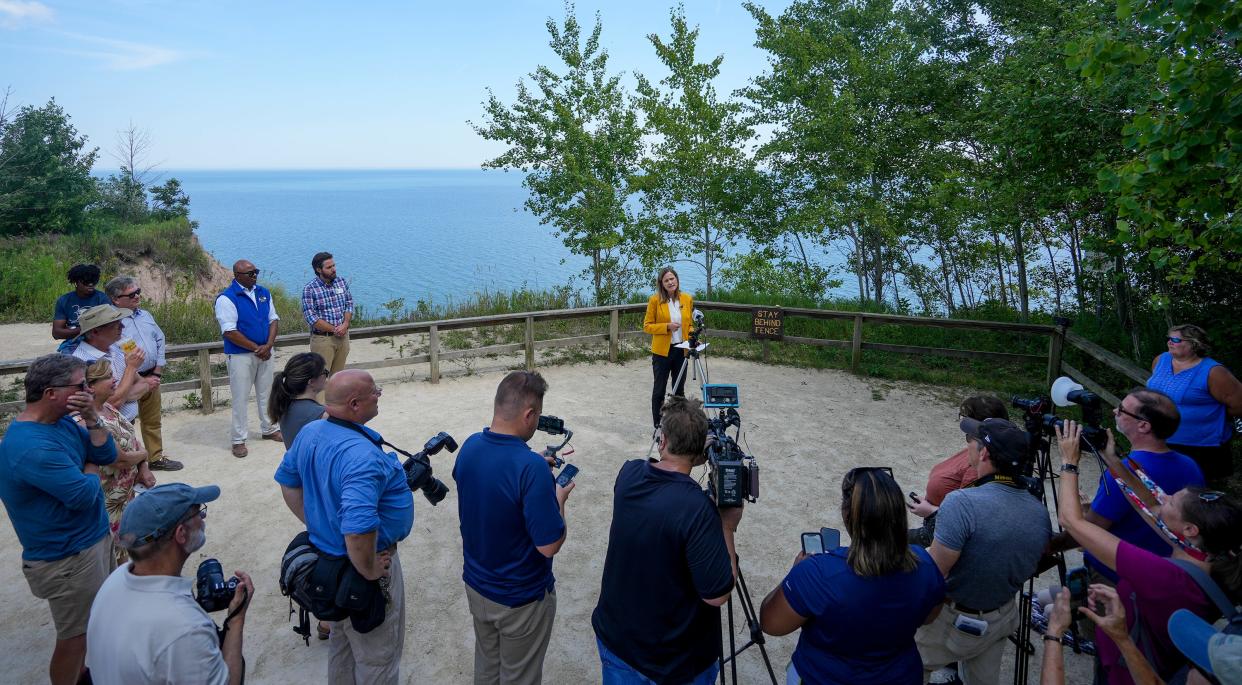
(327, 587)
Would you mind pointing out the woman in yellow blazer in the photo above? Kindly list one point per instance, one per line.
(669, 322)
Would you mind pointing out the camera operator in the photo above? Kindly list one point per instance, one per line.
(1147, 418)
(989, 540)
(953, 473)
(512, 515)
(145, 626)
(669, 565)
(355, 502)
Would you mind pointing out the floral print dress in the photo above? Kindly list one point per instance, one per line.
(118, 481)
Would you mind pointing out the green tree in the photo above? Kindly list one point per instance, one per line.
(697, 180)
(169, 200)
(576, 137)
(1179, 194)
(45, 172)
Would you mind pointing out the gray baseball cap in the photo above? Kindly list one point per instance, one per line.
(159, 510)
(1217, 653)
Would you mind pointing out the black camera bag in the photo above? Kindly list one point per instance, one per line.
(362, 598)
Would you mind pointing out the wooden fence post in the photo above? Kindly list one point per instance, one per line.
(765, 351)
(530, 343)
(856, 345)
(614, 334)
(433, 351)
(1056, 344)
(204, 381)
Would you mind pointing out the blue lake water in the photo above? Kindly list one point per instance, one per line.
(414, 234)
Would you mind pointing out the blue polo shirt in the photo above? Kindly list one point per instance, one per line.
(349, 486)
(506, 501)
(55, 508)
(1172, 471)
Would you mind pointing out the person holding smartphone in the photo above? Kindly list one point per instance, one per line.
(669, 565)
(859, 606)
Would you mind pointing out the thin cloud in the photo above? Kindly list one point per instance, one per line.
(14, 13)
(122, 55)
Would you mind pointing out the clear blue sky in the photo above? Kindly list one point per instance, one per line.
(282, 85)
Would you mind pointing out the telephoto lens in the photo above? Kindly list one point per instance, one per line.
(214, 592)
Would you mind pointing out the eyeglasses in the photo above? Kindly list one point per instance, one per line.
(136, 293)
(1174, 339)
(1119, 410)
(201, 513)
(1210, 496)
(84, 385)
(252, 272)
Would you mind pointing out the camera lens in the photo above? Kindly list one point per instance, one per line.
(435, 491)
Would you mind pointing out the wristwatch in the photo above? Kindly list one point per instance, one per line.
(1069, 468)
(98, 425)
(1051, 638)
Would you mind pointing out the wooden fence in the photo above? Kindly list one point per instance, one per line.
(1057, 339)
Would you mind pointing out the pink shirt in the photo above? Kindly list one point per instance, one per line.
(951, 474)
(1151, 588)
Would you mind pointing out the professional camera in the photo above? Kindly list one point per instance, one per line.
(1064, 393)
(554, 425)
(418, 468)
(700, 327)
(213, 591)
(732, 475)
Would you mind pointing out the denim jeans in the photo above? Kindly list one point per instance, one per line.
(617, 672)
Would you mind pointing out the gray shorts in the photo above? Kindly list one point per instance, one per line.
(69, 585)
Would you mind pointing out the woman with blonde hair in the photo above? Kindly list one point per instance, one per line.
(668, 321)
(130, 468)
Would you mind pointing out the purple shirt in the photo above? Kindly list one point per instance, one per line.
(1151, 588)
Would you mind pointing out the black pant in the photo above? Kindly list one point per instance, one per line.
(664, 369)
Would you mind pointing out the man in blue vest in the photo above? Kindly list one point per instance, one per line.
(248, 322)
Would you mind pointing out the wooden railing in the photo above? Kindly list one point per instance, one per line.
(1057, 337)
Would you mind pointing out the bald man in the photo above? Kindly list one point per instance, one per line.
(248, 322)
(352, 496)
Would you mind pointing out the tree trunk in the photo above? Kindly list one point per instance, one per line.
(1000, 268)
(942, 251)
(1019, 249)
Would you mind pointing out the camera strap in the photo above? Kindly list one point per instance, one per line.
(998, 478)
(380, 442)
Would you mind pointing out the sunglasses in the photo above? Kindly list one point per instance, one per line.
(136, 293)
(1174, 339)
(1210, 496)
(252, 272)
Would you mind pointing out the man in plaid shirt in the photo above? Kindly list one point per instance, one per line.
(328, 308)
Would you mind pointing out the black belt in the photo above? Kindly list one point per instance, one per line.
(963, 609)
(147, 373)
(322, 333)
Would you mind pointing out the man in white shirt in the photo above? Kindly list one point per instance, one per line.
(145, 626)
(248, 322)
(101, 329)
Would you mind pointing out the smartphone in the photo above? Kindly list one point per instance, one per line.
(914, 496)
(566, 475)
(1077, 581)
(812, 543)
(831, 538)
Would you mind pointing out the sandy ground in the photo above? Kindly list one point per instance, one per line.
(806, 427)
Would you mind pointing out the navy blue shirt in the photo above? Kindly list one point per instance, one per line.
(69, 305)
(858, 629)
(506, 502)
(1172, 471)
(349, 487)
(55, 508)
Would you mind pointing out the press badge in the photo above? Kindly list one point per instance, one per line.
(970, 626)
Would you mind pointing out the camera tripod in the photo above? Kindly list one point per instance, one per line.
(752, 623)
(693, 351)
(1041, 458)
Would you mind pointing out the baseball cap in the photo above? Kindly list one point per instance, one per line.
(100, 315)
(1007, 444)
(1214, 652)
(156, 511)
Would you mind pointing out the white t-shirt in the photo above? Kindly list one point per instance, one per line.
(226, 311)
(149, 629)
(674, 315)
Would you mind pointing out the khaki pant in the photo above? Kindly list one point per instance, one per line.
(149, 422)
(333, 349)
(247, 371)
(371, 658)
(978, 657)
(69, 585)
(510, 643)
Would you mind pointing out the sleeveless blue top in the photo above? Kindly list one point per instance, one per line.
(1204, 421)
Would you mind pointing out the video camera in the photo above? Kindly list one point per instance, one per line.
(418, 468)
(554, 425)
(732, 475)
(1039, 416)
(213, 591)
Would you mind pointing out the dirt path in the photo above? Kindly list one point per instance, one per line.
(807, 428)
